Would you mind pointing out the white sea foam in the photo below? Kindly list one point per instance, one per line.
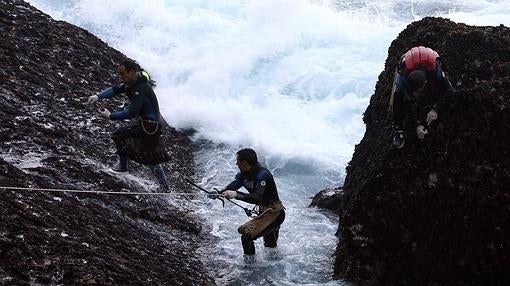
(290, 78)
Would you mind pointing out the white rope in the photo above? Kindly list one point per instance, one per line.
(98, 192)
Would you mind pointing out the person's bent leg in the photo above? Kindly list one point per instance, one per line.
(270, 243)
(159, 173)
(271, 238)
(120, 134)
(248, 245)
(248, 249)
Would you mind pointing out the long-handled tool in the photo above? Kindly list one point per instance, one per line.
(216, 195)
(210, 194)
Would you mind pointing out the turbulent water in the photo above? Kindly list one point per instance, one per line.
(290, 78)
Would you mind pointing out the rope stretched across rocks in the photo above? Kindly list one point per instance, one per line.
(98, 192)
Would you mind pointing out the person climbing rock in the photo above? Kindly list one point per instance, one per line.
(139, 141)
(418, 69)
(262, 192)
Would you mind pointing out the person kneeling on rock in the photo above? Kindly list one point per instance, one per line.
(418, 68)
(141, 140)
(261, 191)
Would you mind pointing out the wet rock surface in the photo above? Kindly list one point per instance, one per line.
(328, 199)
(436, 212)
(49, 139)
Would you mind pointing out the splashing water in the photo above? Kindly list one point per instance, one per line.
(288, 78)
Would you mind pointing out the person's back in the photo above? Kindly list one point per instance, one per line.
(423, 61)
(143, 101)
(419, 67)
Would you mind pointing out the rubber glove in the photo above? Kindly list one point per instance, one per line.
(431, 116)
(92, 99)
(105, 113)
(229, 194)
(421, 131)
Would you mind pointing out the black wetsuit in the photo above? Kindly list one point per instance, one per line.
(260, 184)
(143, 101)
(406, 103)
(262, 191)
(140, 141)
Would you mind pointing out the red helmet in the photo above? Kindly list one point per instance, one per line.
(419, 58)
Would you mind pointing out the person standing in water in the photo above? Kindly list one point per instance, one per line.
(262, 191)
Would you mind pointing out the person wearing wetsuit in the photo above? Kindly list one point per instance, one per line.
(419, 67)
(139, 142)
(262, 191)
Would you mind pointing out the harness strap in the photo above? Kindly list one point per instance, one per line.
(145, 130)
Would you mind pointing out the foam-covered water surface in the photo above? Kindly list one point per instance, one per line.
(307, 237)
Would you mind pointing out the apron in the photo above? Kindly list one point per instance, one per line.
(141, 142)
(260, 223)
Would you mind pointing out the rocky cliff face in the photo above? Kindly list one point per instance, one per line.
(50, 140)
(438, 211)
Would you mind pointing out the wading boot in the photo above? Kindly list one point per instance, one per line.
(398, 139)
(120, 167)
(159, 173)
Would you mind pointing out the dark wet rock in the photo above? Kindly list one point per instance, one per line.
(50, 140)
(327, 199)
(437, 212)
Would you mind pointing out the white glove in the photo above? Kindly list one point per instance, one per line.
(421, 131)
(92, 99)
(229, 194)
(431, 116)
(105, 113)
